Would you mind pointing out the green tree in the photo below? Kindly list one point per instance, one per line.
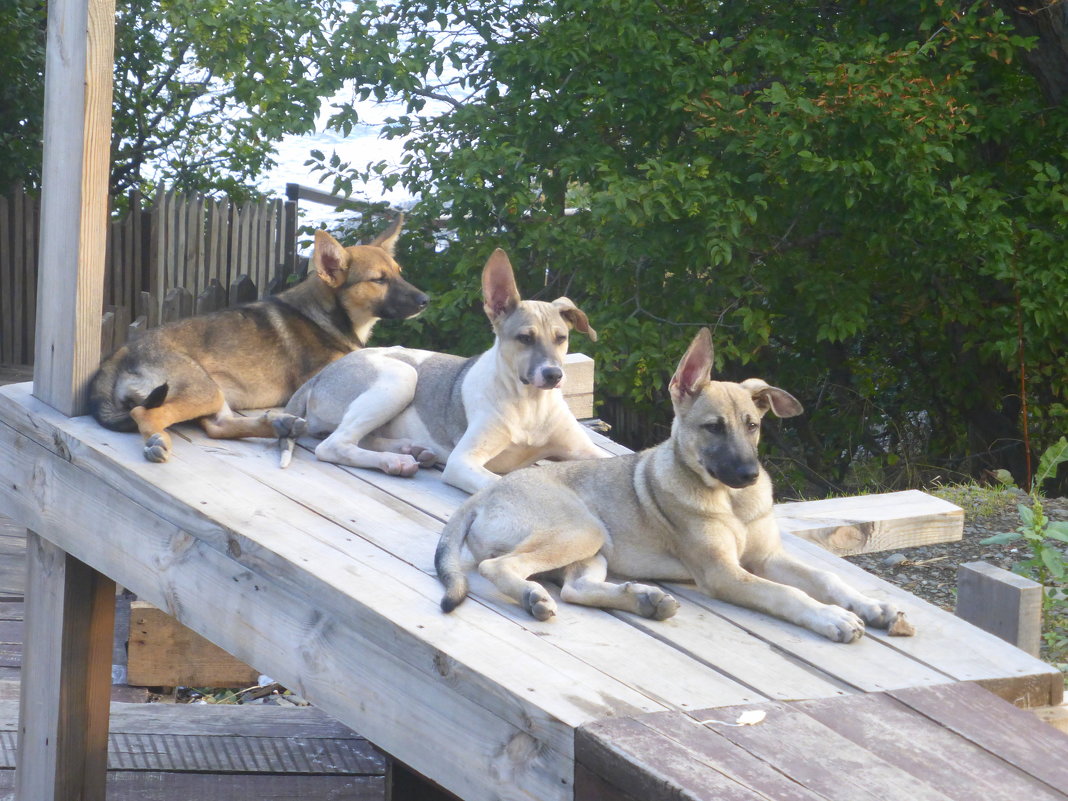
(203, 88)
(865, 202)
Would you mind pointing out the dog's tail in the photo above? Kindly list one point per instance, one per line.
(447, 557)
(298, 407)
(113, 412)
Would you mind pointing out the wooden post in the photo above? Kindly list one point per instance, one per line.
(70, 609)
(79, 62)
(1000, 602)
(66, 678)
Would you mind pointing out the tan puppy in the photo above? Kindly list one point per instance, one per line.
(696, 507)
(396, 409)
(255, 355)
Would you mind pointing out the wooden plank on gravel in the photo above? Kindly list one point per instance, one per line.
(996, 725)
(923, 748)
(868, 523)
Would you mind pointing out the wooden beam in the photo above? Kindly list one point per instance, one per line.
(869, 523)
(164, 653)
(1000, 602)
(66, 678)
(74, 199)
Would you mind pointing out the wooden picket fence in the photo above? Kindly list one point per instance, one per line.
(209, 248)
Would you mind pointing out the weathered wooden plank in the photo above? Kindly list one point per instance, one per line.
(164, 653)
(177, 304)
(164, 786)
(7, 277)
(868, 523)
(70, 615)
(212, 299)
(844, 771)
(626, 753)
(866, 664)
(12, 558)
(996, 725)
(1003, 603)
(475, 752)
(923, 748)
(998, 666)
(182, 572)
(663, 672)
(21, 255)
(74, 178)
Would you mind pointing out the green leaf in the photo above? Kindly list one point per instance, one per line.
(1001, 539)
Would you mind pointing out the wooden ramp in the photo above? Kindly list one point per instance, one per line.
(164, 752)
(322, 577)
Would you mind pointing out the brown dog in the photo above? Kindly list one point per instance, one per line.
(255, 355)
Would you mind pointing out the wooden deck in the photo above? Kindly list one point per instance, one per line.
(322, 577)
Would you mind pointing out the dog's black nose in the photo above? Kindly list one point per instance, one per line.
(422, 301)
(551, 376)
(747, 475)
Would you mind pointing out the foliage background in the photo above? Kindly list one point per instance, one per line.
(865, 202)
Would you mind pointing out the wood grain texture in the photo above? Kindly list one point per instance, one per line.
(164, 653)
(1003, 603)
(70, 615)
(77, 125)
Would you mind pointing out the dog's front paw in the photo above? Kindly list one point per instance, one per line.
(538, 602)
(836, 623)
(157, 448)
(289, 426)
(653, 602)
(425, 456)
(879, 614)
(399, 464)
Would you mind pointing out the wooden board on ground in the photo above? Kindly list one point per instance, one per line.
(941, 743)
(164, 653)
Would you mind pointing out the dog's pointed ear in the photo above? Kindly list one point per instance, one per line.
(575, 317)
(387, 240)
(330, 259)
(768, 398)
(694, 371)
(500, 295)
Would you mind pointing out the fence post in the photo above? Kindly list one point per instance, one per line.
(177, 304)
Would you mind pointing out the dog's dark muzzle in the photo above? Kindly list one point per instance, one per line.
(736, 475)
(403, 300)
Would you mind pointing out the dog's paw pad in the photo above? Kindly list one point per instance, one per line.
(667, 607)
(157, 449)
(425, 456)
(654, 603)
(289, 426)
(838, 624)
(539, 604)
(402, 465)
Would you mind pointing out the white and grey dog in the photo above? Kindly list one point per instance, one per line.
(398, 409)
(696, 507)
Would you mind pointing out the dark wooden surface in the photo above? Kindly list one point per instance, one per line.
(952, 742)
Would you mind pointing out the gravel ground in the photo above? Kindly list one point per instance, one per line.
(930, 571)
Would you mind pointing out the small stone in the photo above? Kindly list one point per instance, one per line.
(895, 559)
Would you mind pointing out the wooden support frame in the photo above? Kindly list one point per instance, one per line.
(74, 198)
(66, 678)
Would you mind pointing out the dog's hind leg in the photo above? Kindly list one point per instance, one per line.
(195, 400)
(381, 402)
(224, 424)
(584, 583)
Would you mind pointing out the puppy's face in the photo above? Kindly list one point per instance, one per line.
(531, 334)
(367, 279)
(533, 341)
